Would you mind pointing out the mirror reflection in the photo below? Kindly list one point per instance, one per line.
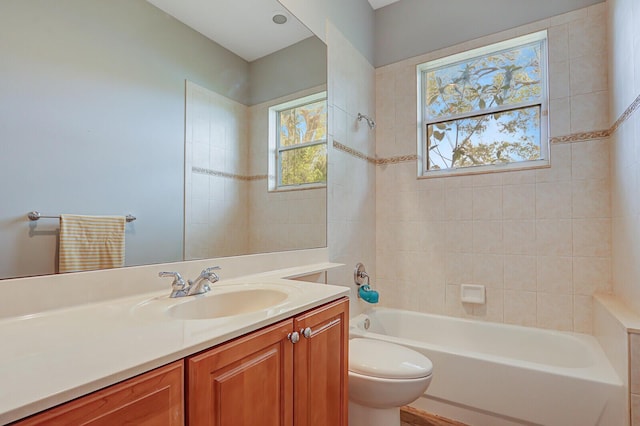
(116, 107)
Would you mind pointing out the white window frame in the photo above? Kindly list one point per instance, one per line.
(421, 70)
(275, 159)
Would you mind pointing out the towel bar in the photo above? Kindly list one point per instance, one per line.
(34, 215)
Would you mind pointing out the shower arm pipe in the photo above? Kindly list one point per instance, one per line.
(370, 122)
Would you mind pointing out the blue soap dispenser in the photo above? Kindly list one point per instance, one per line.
(365, 292)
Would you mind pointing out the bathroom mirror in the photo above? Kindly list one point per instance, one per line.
(92, 121)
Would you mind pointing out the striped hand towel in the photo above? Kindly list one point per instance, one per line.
(90, 242)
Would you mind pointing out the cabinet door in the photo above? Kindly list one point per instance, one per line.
(321, 366)
(246, 382)
(151, 399)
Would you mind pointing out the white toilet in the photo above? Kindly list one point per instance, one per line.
(382, 378)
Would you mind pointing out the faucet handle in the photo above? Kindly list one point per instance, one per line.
(176, 275)
(178, 282)
(211, 276)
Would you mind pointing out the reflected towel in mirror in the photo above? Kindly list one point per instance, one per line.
(91, 242)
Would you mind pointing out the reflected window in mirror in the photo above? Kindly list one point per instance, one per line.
(298, 142)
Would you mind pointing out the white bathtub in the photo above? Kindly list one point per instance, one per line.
(498, 374)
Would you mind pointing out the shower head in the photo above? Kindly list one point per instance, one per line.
(369, 120)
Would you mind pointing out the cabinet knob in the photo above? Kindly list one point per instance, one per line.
(293, 337)
(306, 332)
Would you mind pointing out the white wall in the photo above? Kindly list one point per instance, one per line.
(92, 111)
(353, 18)
(289, 70)
(413, 27)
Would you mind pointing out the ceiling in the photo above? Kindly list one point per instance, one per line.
(243, 26)
(377, 4)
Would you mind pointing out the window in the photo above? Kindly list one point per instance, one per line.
(299, 142)
(485, 109)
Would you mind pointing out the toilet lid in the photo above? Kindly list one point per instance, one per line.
(387, 360)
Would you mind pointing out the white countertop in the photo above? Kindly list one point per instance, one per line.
(52, 357)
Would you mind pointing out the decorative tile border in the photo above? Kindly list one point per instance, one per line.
(626, 114)
(337, 145)
(396, 160)
(599, 134)
(217, 173)
(580, 137)
(574, 137)
(375, 161)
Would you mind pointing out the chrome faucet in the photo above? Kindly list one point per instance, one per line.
(199, 286)
(178, 284)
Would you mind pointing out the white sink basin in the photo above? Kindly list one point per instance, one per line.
(228, 304)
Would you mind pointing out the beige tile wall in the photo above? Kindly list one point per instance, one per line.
(216, 219)
(287, 220)
(634, 378)
(625, 155)
(611, 322)
(624, 86)
(352, 193)
(234, 215)
(539, 240)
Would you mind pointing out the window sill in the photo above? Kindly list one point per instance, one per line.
(491, 168)
(304, 187)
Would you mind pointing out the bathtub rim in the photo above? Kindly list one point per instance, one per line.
(600, 371)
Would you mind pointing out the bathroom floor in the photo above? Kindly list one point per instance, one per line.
(410, 416)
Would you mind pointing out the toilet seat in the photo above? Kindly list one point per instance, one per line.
(385, 360)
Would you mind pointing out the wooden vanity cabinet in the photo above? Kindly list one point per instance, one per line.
(244, 382)
(150, 399)
(321, 366)
(265, 379)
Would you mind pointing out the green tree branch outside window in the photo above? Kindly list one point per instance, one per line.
(485, 110)
(302, 144)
